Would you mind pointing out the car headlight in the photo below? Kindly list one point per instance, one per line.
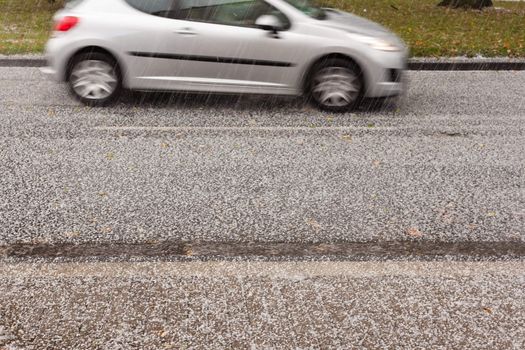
(375, 43)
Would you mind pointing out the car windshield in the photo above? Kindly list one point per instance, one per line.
(308, 7)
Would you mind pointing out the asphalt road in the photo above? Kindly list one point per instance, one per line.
(442, 169)
(446, 163)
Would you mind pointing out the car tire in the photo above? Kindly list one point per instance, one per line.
(336, 85)
(95, 79)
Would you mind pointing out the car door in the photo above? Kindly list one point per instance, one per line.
(148, 40)
(228, 51)
(215, 45)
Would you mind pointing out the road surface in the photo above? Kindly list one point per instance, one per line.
(218, 222)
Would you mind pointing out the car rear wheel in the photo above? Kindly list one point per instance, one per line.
(336, 85)
(95, 79)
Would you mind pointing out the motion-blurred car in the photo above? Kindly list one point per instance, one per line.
(281, 47)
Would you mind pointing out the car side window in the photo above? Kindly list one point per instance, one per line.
(161, 8)
(241, 13)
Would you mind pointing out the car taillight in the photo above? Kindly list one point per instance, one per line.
(66, 23)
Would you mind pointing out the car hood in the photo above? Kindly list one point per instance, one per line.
(354, 24)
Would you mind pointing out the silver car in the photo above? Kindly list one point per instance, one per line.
(278, 47)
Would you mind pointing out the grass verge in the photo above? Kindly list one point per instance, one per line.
(428, 29)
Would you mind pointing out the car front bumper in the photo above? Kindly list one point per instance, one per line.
(385, 74)
(386, 90)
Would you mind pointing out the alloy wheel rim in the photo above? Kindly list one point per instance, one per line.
(336, 86)
(94, 79)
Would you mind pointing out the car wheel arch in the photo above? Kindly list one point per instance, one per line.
(93, 49)
(336, 55)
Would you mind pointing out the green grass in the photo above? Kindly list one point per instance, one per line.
(436, 31)
(428, 29)
(25, 25)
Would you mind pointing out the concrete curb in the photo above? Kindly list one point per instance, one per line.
(466, 66)
(425, 64)
(22, 62)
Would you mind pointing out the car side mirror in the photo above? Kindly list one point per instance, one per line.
(269, 22)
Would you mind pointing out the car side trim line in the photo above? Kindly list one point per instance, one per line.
(196, 80)
(215, 59)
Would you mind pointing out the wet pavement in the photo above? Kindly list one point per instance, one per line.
(411, 188)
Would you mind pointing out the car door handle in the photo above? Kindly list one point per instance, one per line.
(186, 31)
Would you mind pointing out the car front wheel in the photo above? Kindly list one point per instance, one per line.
(336, 85)
(94, 79)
